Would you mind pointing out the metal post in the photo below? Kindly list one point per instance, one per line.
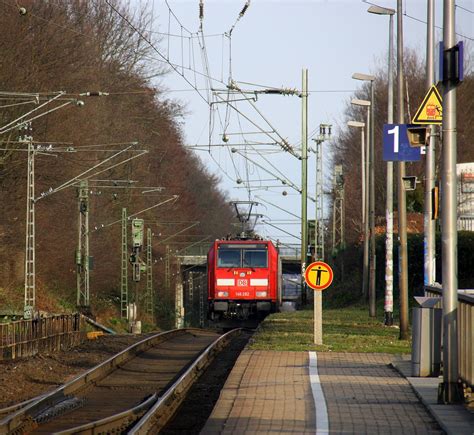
(449, 221)
(30, 273)
(319, 197)
(338, 241)
(189, 306)
(82, 254)
(362, 166)
(201, 301)
(304, 180)
(372, 260)
(318, 317)
(365, 269)
(179, 309)
(430, 240)
(124, 268)
(388, 303)
(319, 238)
(402, 212)
(149, 274)
(168, 269)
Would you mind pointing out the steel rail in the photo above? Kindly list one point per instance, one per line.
(151, 413)
(11, 409)
(165, 407)
(24, 418)
(117, 423)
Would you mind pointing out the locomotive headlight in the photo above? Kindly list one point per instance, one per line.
(224, 294)
(261, 294)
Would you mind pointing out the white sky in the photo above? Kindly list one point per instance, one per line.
(270, 45)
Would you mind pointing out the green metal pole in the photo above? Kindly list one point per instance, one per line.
(149, 274)
(124, 271)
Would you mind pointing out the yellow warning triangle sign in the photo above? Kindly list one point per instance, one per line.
(431, 109)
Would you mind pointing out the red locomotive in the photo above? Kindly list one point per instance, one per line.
(243, 283)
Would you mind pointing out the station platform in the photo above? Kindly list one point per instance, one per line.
(325, 392)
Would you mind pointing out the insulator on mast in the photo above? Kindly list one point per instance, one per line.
(244, 9)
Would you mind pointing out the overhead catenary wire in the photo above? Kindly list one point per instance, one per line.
(282, 141)
(226, 121)
(464, 8)
(102, 226)
(247, 163)
(283, 180)
(179, 232)
(281, 229)
(84, 175)
(150, 43)
(279, 208)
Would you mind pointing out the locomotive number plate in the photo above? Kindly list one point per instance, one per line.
(242, 282)
(240, 294)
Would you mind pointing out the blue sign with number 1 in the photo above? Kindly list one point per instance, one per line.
(396, 147)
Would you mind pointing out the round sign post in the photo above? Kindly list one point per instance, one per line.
(318, 276)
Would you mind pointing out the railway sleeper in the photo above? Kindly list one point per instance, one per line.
(115, 424)
(166, 406)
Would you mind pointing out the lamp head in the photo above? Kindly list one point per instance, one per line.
(363, 77)
(378, 10)
(358, 102)
(356, 124)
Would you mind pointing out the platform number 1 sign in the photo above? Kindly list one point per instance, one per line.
(396, 143)
(396, 147)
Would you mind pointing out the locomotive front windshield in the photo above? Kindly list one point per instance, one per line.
(240, 255)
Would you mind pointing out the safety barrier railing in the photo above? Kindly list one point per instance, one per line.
(24, 338)
(465, 317)
(465, 223)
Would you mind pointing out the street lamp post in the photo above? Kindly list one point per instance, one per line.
(430, 162)
(450, 389)
(388, 305)
(402, 201)
(366, 261)
(361, 125)
(371, 191)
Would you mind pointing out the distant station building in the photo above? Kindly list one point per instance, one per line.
(465, 174)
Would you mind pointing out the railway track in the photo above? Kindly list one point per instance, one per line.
(136, 391)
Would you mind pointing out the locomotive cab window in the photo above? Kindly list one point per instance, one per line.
(255, 258)
(242, 255)
(228, 258)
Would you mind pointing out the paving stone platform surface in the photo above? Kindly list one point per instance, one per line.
(270, 392)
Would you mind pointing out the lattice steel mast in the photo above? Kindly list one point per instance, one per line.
(324, 134)
(82, 253)
(338, 211)
(124, 269)
(168, 269)
(30, 272)
(149, 274)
